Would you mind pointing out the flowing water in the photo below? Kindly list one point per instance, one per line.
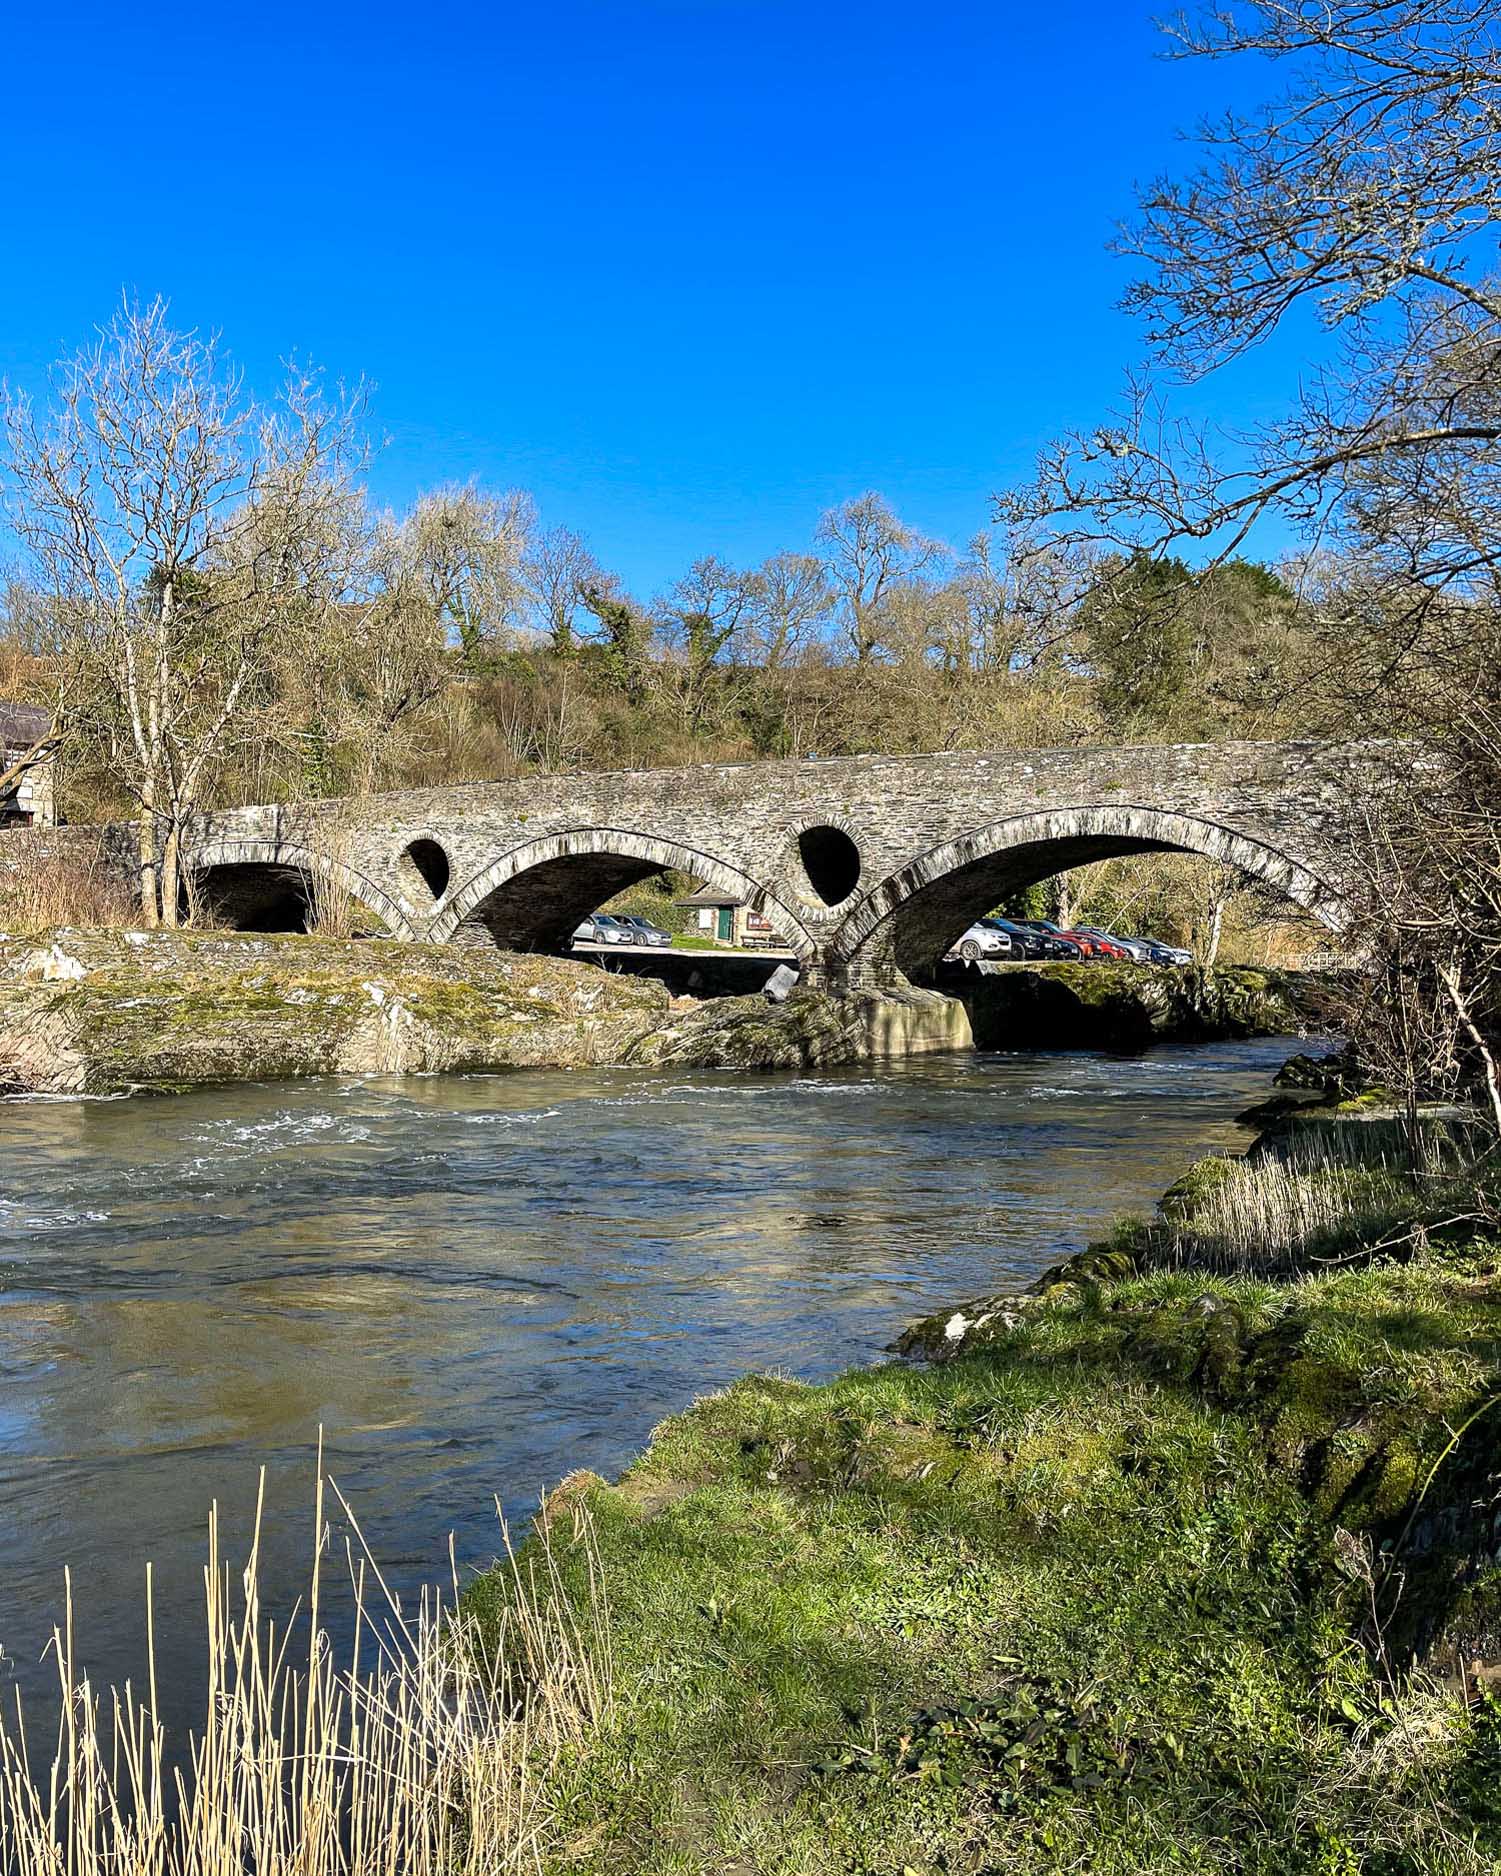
(476, 1284)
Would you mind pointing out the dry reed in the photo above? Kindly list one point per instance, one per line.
(42, 888)
(424, 1754)
(332, 911)
(1332, 1194)
(1274, 1216)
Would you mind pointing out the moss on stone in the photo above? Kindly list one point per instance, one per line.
(1187, 1194)
(176, 1008)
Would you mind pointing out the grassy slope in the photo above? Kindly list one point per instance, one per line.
(1092, 1597)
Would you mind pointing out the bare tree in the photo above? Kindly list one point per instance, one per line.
(1364, 193)
(790, 601)
(464, 551)
(701, 615)
(559, 569)
(1369, 192)
(1005, 633)
(171, 521)
(867, 549)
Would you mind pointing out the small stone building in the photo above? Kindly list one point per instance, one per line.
(728, 920)
(27, 801)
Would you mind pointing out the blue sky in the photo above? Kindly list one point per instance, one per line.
(690, 270)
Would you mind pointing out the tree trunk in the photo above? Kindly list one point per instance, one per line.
(1216, 930)
(34, 756)
(146, 852)
(171, 881)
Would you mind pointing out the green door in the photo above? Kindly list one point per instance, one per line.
(726, 924)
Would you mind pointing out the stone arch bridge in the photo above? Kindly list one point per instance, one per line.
(869, 866)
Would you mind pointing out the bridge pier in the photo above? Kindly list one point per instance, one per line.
(874, 967)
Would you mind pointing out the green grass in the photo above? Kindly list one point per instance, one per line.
(1107, 1594)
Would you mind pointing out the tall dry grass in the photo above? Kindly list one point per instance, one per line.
(1333, 1193)
(1273, 1216)
(420, 1754)
(43, 887)
(331, 911)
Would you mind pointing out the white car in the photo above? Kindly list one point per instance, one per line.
(601, 929)
(984, 939)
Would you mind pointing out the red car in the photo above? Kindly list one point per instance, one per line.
(1097, 946)
(1090, 944)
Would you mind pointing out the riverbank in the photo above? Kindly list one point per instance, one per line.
(113, 1012)
(1188, 1559)
(1123, 1007)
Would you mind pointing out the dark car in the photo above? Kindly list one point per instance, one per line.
(1069, 944)
(1034, 945)
(642, 930)
(1160, 953)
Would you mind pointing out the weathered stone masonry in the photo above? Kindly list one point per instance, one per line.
(869, 865)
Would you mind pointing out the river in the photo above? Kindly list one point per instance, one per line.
(476, 1284)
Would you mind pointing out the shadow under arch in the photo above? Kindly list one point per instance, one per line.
(912, 917)
(533, 897)
(259, 880)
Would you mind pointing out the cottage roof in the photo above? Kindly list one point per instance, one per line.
(709, 896)
(21, 725)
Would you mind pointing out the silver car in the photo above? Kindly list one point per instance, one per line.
(642, 931)
(601, 929)
(984, 939)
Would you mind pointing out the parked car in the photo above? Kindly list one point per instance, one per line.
(1078, 945)
(602, 929)
(1036, 945)
(984, 939)
(1159, 953)
(644, 932)
(1132, 948)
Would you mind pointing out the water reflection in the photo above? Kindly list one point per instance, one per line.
(475, 1284)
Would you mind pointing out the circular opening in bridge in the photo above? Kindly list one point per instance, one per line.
(428, 860)
(832, 862)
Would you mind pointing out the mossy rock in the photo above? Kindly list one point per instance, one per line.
(1187, 1195)
(1332, 1077)
(171, 1009)
(1095, 1265)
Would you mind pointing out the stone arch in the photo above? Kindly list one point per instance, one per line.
(267, 868)
(532, 898)
(910, 918)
